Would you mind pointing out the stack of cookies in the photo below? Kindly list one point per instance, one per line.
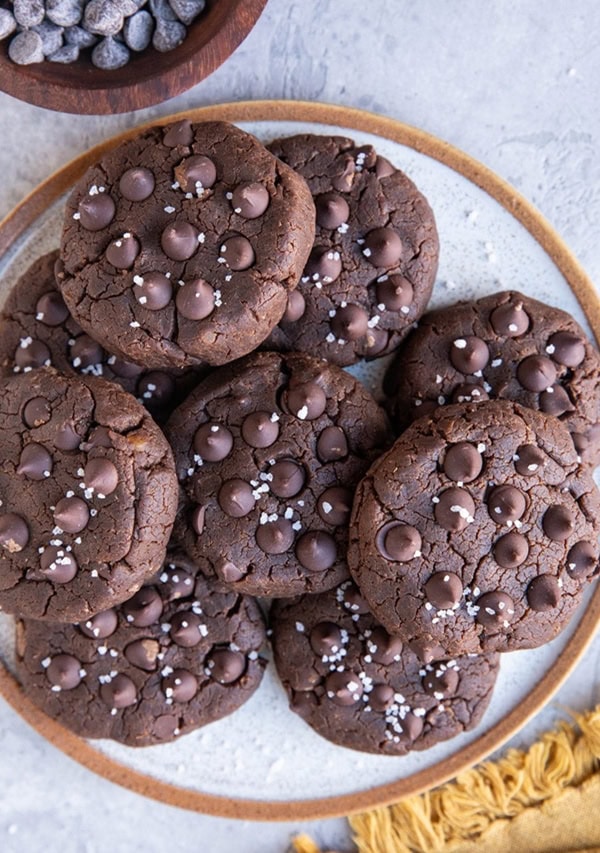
(179, 438)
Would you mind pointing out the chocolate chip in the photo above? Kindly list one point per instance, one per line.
(376, 340)
(412, 726)
(510, 320)
(324, 264)
(64, 671)
(558, 523)
(469, 392)
(179, 240)
(101, 475)
(350, 323)
(511, 550)
(180, 685)
(185, 629)
(51, 310)
(225, 665)
(296, 306)
(316, 550)
(119, 692)
(288, 478)
(536, 373)
(71, 515)
(235, 498)
(469, 354)
(250, 200)
(195, 173)
(543, 593)
(332, 444)
(66, 437)
(100, 626)
(96, 211)
(144, 608)
(143, 654)
(383, 247)
(180, 133)
(463, 462)
(31, 354)
(332, 210)
(58, 565)
(213, 442)
(555, 401)
(506, 503)
(35, 462)
(426, 651)
(85, 352)
(306, 401)
(238, 252)
(334, 505)
(137, 184)
(14, 532)
(530, 460)
(345, 177)
(36, 412)
(495, 609)
(444, 590)
(582, 560)
(125, 369)
(566, 348)
(153, 290)
(398, 542)
(343, 688)
(353, 600)
(395, 293)
(229, 571)
(175, 582)
(441, 683)
(121, 253)
(382, 647)
(197, 519)
(381, 697)
(260, 429)
(195, 300)
(275, 537)
(454, 509)
(110, 54)
(325, 639)
(156, 388)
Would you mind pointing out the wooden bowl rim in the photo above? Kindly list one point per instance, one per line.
(324, 807)
(148, 79)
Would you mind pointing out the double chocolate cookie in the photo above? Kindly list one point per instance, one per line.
(478, 531)
(505, 346)
(178, 655)
(180, 246)
(37, 330)
(88, 495)
(268, 453)
(360, 687)
(372, 267)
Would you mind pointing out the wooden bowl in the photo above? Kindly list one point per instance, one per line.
(148, 78)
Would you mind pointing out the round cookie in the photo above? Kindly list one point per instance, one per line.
(37, 329)
(180, 654)
(477, 531)
(88, 495)
(181, 245)
(361, 688)
(268, 452)
(372, 267)
(505, 346)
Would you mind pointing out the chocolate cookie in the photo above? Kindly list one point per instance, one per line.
(178, 655)
(372, 267)
(88, 495)
(268, 452)
(505, 346)
(181, 245)
(360, 687)
(477, 532)
(37, 329)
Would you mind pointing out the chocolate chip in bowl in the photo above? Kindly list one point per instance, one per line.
(116, 57)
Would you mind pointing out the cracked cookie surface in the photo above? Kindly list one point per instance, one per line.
(181, 653)
(181, 245)
(477, 531)
(88, 495)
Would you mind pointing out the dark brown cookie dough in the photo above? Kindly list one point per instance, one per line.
(180, 654)
(374, 260)
(37, 329)
(360, 687)
(505, 346)
(477, 531)
(88, 495)
(268, 453)
(181, 245)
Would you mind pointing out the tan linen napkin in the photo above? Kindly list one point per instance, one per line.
(545, 800)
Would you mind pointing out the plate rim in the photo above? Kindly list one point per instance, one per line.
(36, 202)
